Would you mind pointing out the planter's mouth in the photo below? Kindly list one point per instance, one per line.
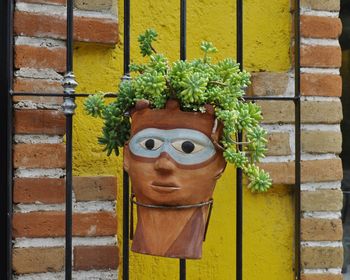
(164, 187)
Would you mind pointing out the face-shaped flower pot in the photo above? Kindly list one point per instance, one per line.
(173, 162)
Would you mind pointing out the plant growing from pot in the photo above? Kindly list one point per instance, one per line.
(178, 124)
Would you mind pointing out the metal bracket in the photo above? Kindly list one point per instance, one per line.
(69, 85)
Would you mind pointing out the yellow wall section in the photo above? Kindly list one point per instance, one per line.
(268, 218)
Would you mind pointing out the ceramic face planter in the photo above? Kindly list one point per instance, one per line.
(174, 163)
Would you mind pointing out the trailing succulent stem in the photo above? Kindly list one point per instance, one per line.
(194, 84)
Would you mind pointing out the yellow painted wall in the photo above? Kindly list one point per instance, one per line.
(268, 218)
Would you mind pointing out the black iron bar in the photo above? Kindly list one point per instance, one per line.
(6, 77)
(126, 191)
(45, 94)
(182, 262)
(69, 147)
(239, 177)
(297, 138)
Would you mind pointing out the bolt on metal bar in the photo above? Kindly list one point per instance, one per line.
(6, 110)
(69, 106)
(183, 6)
(239, 175)
(126, 187)
(297, 123)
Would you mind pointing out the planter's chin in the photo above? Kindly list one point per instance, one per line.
(173, 164)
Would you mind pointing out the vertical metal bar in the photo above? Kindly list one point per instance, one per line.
(297, 138)
(239, 177)
(68, 107)
(6, 77)
(126, 191)
(182, 262)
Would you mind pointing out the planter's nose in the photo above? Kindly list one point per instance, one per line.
(163, 164)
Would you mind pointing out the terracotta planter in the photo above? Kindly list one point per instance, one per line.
(174, 162)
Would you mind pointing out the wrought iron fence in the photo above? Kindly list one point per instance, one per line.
(69, 95)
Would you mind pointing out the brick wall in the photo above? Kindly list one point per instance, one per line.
(39, 150)
(321, 113)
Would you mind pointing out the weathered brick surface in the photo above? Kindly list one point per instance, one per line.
(322, 200)
(85, 29)
(321, 85)
(57, 2)
(52, 224)
(278, 144)
(321, 257)
(40, 57)
(320, 56)
(50, 122)
(321, 112)
(38, 86)
(43, 190)
(321, 141)
(31, 260)
(268, 83)
(320, 27)
(39, 155)
(311, 171)
(96, 257)
(321, 229)
(311, 111)
(95, 188)
(94, 5)
(321, 277)
(321, 5)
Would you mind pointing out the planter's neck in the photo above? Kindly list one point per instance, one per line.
(176, 233)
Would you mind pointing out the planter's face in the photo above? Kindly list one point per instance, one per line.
(176, 166)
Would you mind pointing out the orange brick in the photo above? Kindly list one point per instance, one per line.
(320, 56)
(40, 57)
(43, 190)
(39, 122)
(52, 224)
(321, 277)
(320, 27)
(321, 85)
(89, 188)
(321, 257)
(321, 229)
(96, 257)
(39, 155)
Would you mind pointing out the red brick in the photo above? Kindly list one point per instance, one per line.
(311, 171)
(39, 155)
(95, 188)
(39, 122)
(32, 260)
(40, 57)
(52, 224)
(320, 56)
(96, 257)
(85, 29)
(43, 190)
(321, 85)
(320, 27)
(38, 86)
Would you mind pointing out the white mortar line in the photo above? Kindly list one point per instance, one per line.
(319, 42)
(30, 105)
(33, 73)
(332, 71)
(320, 98)
(311, 127)
(38, 172)
(77, 275)
(78, 207)
(334, 244)
(60, 242)
(321, 186)
(39, 42)
(37, 139)
(309, 12)
(322, 270)
(271, 159)
(61, 11)
(322, 215)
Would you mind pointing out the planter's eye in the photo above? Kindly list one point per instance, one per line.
(151, 144)
(187, 146)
